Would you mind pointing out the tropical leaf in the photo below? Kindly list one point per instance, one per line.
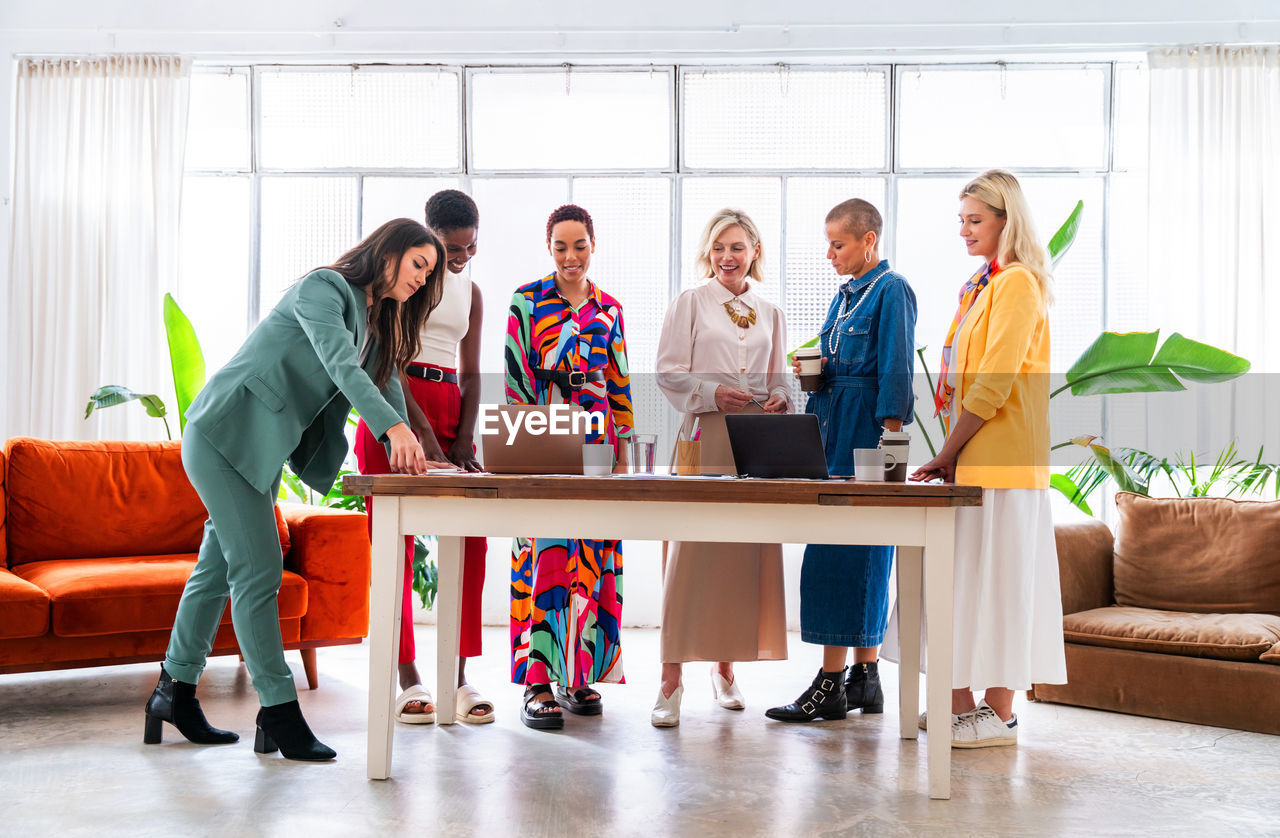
(1073, 493)
(813, 341)
(1115, 466)
(185, 357)
(1066, 235)
(1123, 362)
(111, 395)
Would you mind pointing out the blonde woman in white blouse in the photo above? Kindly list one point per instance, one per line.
(722, 350)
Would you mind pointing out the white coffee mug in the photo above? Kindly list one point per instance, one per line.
(597, 459)
(868, 465)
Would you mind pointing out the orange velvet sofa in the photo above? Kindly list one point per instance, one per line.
(97, 540)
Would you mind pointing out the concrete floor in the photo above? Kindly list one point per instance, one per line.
(72, 763)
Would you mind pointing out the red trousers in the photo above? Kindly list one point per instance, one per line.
(442, 403)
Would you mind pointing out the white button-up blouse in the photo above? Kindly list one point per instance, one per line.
(701, 347)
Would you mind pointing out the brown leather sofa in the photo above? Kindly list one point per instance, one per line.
(1178, 616)
(97, 540)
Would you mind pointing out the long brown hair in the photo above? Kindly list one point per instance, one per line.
(395, 329)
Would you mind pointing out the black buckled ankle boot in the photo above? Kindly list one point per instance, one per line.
(823, 700)
(175, 702)
(862, 688)
(282, 726)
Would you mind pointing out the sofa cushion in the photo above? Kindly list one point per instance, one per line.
(1272, 655)
(71, 500)
(1235, 637)
(24, 608)
(1209, 555)
(111, 596)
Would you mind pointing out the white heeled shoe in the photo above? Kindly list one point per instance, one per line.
(666, 711)
(726, 692)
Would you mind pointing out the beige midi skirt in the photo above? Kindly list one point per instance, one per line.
(721, 601)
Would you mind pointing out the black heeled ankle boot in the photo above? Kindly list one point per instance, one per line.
(175, 702)
(823, 700)
(862, 688)
(282, 726)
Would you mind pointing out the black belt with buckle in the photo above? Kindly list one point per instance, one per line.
(432, 374)
(568, 381)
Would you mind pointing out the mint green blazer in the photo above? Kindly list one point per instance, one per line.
(286, 394)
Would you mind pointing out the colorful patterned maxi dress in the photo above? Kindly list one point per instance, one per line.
(566, 594)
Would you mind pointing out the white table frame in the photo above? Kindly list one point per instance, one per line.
(924, 536)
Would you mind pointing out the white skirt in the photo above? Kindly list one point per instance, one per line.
(1008, 602)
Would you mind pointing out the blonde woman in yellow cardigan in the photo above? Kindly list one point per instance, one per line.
(993, 392)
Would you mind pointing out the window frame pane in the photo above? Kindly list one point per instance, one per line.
(1107, 69)
(673, 104)
(259, 70)
(889, 127)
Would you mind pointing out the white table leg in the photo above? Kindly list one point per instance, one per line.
(384, 629)
(910, 573)
(939, 556)
(448, 625)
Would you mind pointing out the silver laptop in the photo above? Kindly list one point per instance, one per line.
(514, 449)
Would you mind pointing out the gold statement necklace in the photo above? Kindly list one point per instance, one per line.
(742, 321)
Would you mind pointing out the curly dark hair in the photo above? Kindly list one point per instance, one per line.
(449, 210)
(571, 212)
(395, 328)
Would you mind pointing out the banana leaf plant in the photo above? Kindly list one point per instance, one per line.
(186, 362)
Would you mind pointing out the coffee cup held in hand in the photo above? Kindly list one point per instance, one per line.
(810, 358)
(896, 446)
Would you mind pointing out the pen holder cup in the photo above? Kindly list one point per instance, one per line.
(689, 456)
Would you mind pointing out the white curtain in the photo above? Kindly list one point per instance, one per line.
(98, 153)
(1214, 241)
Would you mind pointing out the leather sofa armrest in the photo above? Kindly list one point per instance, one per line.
(1085, 557)
(331, 551)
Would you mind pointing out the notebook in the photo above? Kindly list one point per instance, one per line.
(777, 445)
(514, 449)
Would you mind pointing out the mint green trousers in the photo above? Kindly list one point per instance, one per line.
(240, 558)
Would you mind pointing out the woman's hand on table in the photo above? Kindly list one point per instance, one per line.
(406, 452)
(942, 467)
(731, 399)
(462, 454)
(430, 445)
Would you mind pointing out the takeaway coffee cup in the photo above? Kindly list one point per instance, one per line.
(597, 459)
(810, 358)
(895, 445)
(868, 465)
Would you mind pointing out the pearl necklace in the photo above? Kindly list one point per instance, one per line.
(833, 338)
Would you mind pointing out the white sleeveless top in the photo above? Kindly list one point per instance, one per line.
(448, 323)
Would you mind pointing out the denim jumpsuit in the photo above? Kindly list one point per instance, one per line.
(844, 590)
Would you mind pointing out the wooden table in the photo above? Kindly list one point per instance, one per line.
(918, 518)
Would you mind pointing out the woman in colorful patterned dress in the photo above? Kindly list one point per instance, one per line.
(565, 345)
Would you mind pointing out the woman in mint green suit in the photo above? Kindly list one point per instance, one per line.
(338, 338)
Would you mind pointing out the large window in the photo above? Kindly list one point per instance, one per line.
(289, 166)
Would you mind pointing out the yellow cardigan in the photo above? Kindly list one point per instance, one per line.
(1001, 359)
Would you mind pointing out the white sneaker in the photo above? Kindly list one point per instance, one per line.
(666, 711)
(923, 722)
(983, 729)
(726, 692)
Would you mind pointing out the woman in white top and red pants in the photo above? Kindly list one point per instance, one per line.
(443, 415)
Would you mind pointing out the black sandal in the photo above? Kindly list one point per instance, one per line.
(577, 702)
(540, 716)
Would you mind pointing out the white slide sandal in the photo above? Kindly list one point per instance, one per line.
(415, 693)
(469, 698)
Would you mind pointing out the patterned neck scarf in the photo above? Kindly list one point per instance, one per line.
(944, 393)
